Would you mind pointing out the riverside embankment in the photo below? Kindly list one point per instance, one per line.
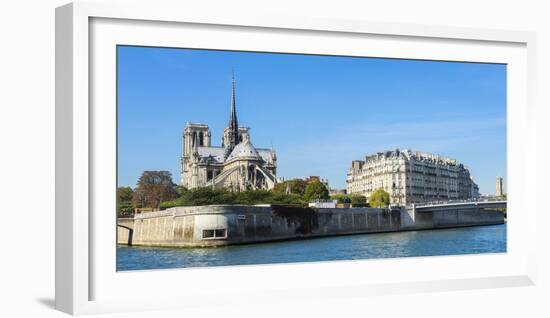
(220, 225)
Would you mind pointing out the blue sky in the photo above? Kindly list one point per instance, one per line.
(318, 112)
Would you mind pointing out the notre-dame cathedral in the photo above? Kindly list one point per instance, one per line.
(236, 165)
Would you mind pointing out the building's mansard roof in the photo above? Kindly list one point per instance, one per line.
(412, 155)
(409, 155)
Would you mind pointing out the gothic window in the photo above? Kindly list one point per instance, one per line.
(194, 138)
(201, 139)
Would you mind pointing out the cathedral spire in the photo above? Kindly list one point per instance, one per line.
(233, 125)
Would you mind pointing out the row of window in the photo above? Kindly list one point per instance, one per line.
(214, 234)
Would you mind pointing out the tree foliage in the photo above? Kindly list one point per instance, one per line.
(124, 194)
(379, 198)
(124, 201)
(341, 198)
(154, 187)
(294, 186)
(209, 196)
(315, 190)
(180, 190)
(355, 200)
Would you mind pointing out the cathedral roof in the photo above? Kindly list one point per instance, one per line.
(268, 155)
(214, 154)
(244, 150)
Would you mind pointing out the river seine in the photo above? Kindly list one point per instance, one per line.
(468, 240)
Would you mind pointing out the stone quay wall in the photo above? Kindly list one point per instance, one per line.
(219, 225)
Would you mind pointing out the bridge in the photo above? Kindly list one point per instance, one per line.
(125, 230)
(454, 205)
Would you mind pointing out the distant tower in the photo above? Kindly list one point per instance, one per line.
(194, 134)
(499, 191)
(231, 132)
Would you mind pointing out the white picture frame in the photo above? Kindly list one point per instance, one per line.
(84, 33)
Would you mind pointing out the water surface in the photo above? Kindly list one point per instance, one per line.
(468, 240)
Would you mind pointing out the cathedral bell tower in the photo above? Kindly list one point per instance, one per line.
(194, 135)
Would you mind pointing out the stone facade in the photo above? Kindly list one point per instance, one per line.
(411, 177)
(236, 164)
(220, 225)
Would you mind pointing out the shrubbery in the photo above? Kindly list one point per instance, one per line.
(208, 196)
(356, 200)
(125, 210)
(125, 207)
(379, 198)
(156, 189)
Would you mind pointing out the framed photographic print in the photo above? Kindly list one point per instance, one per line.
(375, 157)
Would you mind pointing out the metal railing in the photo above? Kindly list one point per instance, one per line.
(480, 200)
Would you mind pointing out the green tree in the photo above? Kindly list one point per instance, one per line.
(315, 190)
(124, 194)
(125, 207)
(379, 199)
(294, 186)
(180, 190)
(154, 187)
(281, 198)
(358, 200)
(208, 196)
(341, 198)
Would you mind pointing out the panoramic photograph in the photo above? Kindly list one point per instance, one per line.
(231, 158)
